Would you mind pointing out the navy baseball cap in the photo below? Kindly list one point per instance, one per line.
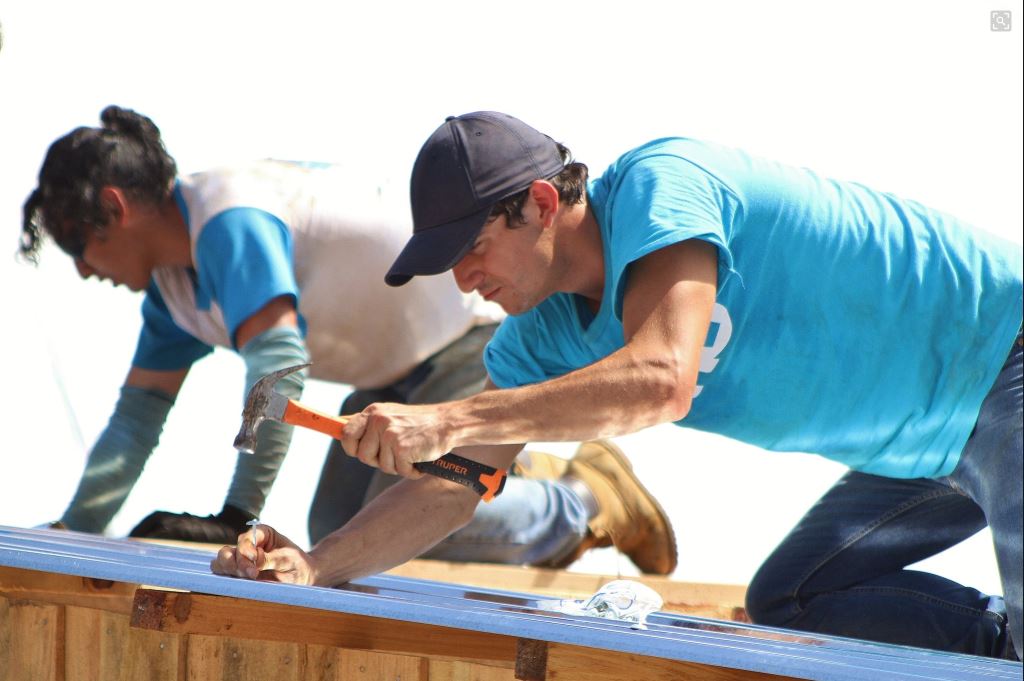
(469, 164)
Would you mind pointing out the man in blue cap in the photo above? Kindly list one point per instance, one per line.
(698, 284)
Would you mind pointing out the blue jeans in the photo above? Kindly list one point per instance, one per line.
(530, 522)
(842, 570)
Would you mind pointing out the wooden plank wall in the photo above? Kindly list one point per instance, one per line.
(65, 628)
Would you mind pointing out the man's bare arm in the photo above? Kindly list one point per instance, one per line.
(666, 316)
(407, 519)
(404, 521)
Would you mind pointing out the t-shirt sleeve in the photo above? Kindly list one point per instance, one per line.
(534, 346)
(509, 356)
(162, 344)
(651, 203)
(659, 201)
(244, 260)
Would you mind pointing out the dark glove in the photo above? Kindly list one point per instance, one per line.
(222, 528)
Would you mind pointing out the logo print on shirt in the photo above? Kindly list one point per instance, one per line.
(709, 354)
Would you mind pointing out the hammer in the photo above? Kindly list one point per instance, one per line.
(263, 402)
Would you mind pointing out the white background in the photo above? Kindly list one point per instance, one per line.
(918, 98)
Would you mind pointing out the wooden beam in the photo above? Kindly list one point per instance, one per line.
(360, 665)
(51, 587)
(95, 643)
(151, 655)
(447, 670)
(590, 664)
(185, 613)
(339, 664)
(531, 660)
(31, 641)
(218, 658)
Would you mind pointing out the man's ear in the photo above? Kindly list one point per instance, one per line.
(115, 205)
(545, 195)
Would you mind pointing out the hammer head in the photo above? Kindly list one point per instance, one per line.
(256, 404)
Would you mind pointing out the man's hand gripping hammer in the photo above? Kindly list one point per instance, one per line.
(263, 402)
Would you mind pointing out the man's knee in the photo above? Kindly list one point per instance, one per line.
(768, 602)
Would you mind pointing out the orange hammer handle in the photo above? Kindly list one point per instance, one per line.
(485, 480)
(298, 414)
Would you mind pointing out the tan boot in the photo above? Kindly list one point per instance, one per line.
(539, 466)
(628, 516)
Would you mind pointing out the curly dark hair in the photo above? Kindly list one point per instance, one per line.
(571, 184)
(125, 152)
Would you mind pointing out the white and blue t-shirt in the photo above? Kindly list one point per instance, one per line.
(848, 322)
(323, 236)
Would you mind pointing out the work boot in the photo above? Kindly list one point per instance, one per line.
(623, 512)
(222, 528)
(539, 466)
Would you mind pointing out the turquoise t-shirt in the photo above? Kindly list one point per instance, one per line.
(848, 322)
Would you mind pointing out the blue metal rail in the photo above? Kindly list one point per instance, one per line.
(669, 636)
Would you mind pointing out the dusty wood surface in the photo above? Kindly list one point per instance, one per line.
(467, 671)
(531, 660)
(217, 658)
(47, 642)
(50, 587)
(95, 640)
(31, 638)
(64, 628)
(189, 613)
(588, 664)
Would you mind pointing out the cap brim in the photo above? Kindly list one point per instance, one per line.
(436, 250)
